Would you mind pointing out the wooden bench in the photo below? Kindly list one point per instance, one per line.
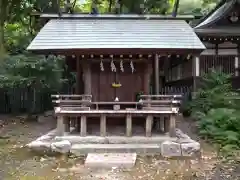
(63, 113)
(166, 123)
(73, 101)
(81, 106)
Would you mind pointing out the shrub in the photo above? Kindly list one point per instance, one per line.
(215, 91)
(221, 125)
(216, 108)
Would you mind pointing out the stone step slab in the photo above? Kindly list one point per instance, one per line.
(80, 149)
(111, 160)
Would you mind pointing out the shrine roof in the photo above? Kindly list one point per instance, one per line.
(218, 22)
(131, 33)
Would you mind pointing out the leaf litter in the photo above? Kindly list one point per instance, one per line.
(18, 163)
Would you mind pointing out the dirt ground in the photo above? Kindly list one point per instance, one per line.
(18, 163)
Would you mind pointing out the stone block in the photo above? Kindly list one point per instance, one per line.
(80, 149)
(39, 146)
(109, 160)
(170, 149)
(190, 149)
(61, 146)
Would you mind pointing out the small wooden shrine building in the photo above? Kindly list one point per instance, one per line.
(108, 51)
(117, 56)
(220, 32)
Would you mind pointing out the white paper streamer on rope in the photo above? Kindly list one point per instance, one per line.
(121, 66)
(132, 67)
(113, 67)
(101, 66)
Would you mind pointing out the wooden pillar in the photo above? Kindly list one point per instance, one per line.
(195, 71)
(149, 121)
(156, 74)
(236, 65)
(87, 78)
(78, 124)
(129, 125)
(83, 125)
(196, 64)
(103, 128)
(60, 125)
(67, 124)
(78, 77)
(166, 123)
(161, 122)
(172, 125)
(179, 72)
(146, 79)
(73, 121)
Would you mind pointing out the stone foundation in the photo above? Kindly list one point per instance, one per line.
(181, 145)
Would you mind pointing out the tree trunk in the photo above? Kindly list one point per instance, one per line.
(175, 8)
(2, 15)
(110, 6)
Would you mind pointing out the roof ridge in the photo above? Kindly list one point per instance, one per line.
(114, 16)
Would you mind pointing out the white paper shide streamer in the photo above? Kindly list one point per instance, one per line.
(113, 67)
(132, 66)
(101, 66)
(121, 66)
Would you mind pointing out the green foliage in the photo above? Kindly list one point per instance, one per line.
(17, 38)
(222, 125)
(215, 91)
(30, 70)
(216, 108)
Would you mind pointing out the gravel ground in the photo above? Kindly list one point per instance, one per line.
(17, 163)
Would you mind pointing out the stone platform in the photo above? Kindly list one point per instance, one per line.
(81, 149)
(181, 145)
(109, 160)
